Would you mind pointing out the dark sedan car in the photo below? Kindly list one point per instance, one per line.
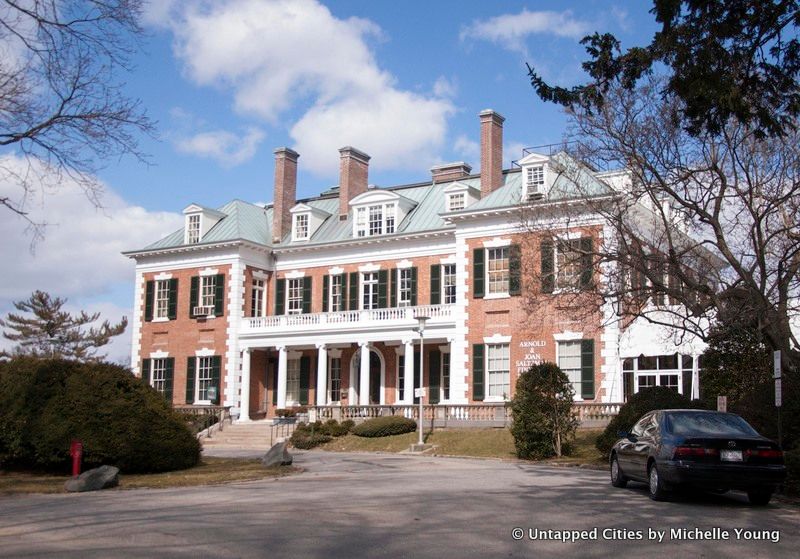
(709, 450)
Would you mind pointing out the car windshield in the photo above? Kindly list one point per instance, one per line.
(709, 424)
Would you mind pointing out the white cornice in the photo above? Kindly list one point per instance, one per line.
(196, 247)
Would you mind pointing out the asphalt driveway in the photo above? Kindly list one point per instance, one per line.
(359, 505)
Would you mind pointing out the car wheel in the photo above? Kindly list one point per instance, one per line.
(617, 477)
(759, 497)
(656, 486)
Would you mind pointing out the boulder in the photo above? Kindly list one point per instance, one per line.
(94, 480)
(278, 455)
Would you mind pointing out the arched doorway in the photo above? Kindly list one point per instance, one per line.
(377, 376)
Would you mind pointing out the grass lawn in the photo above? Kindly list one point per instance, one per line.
(480, 443)
(210, 471)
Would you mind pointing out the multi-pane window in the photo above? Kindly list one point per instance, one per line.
(158, 374)
(456, 201)
(193, 229)
(449, 284)
(534, 180)
(498, 368)
(293, 380)
(568, 263)
(204, 377)
(369, 290)
(336, 300)
(569, 360)
(445, 376)
(497, 270)
(301, 227)
(208, 290)
(257, 298)
(335, 380)
(162, 299)
(376, 220)
(401, 378)
(294, 296)
(403, 287)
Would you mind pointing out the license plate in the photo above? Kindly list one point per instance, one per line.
(731, 455)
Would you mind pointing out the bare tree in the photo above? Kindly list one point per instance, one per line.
(62, 106)
(699, 228)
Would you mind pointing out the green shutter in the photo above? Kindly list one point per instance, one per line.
(190, 362)
(149, 296)
(477, 372)
(383, 287)
(478, 272)
(146, 375)
(548, 278)
(193, 295)
(514, 270)
(172, 307)
(352, 302)
(414, 286)
(586, 262)
(306, 295)
(393, 287)
(280, 296)
(216, 365)
(219, 295)
(587, 369)
(434, 375)
(169, 375)
(274, 382)
(417, 383)
(326, 285)
(436, 284)
(343, 293)
(305, 372)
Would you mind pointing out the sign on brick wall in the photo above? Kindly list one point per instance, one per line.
(531, 354)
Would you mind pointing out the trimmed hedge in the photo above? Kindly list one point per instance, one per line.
(305, 440)
(385, 426)
(647, 399)
(307, 436)
(122, 421)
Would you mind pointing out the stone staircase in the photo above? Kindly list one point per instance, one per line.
(256, 435)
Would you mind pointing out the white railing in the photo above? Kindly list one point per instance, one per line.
(354, 318)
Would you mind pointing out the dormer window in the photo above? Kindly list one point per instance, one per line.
(377, 219)
(300, 229)
(534, 181)
(456, 201)
(193, 229)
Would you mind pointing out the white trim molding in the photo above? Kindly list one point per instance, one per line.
(159, 354)
(205, 352)
(162, 276)
(568, 336)
(209, 272)
(295, 274)
(497, 242)
(497, 339)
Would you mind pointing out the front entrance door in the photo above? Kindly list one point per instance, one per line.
(374, 378)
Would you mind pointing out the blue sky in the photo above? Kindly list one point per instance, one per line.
(227, 82)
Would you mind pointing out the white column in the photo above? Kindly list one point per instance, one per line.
(363, 386)
(408, 381)
(695, 395)
(281, 377)
(322, 375)
(244, 405)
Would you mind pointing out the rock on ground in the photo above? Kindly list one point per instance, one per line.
(94, 480)
(278, 455)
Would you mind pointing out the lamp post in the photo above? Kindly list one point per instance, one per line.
(421, 330)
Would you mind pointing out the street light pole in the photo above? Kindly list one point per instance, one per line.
(421, 330)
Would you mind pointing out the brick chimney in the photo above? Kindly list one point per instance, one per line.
(353, 171)
(491, 151)
(450, 172)
(285, 192)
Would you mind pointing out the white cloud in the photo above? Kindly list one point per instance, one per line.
(468, 149)
(80, 255)
(512, 151)
(227, 148)
(511, 30)
(294, 54)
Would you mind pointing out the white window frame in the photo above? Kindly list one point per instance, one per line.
(208, 291)
(404, 287)
(336, 293)
(376, 219)
(361, 222)
(300, 227)
(493, 371)
(448, 289)
(158, 374)
(445, 379)
(456, 201)
(562, 281)
(334, 383)
(257, 298)
(193, 228)
(294, 295)
(293, 381)
(161, 300)
(203, 364)
(573, 372)
(498, 281)
(401, 375)
(369, 286)
(534, 180)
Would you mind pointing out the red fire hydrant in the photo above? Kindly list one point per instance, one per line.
(76, 451)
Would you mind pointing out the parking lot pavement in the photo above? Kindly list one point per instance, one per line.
(370, 505)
